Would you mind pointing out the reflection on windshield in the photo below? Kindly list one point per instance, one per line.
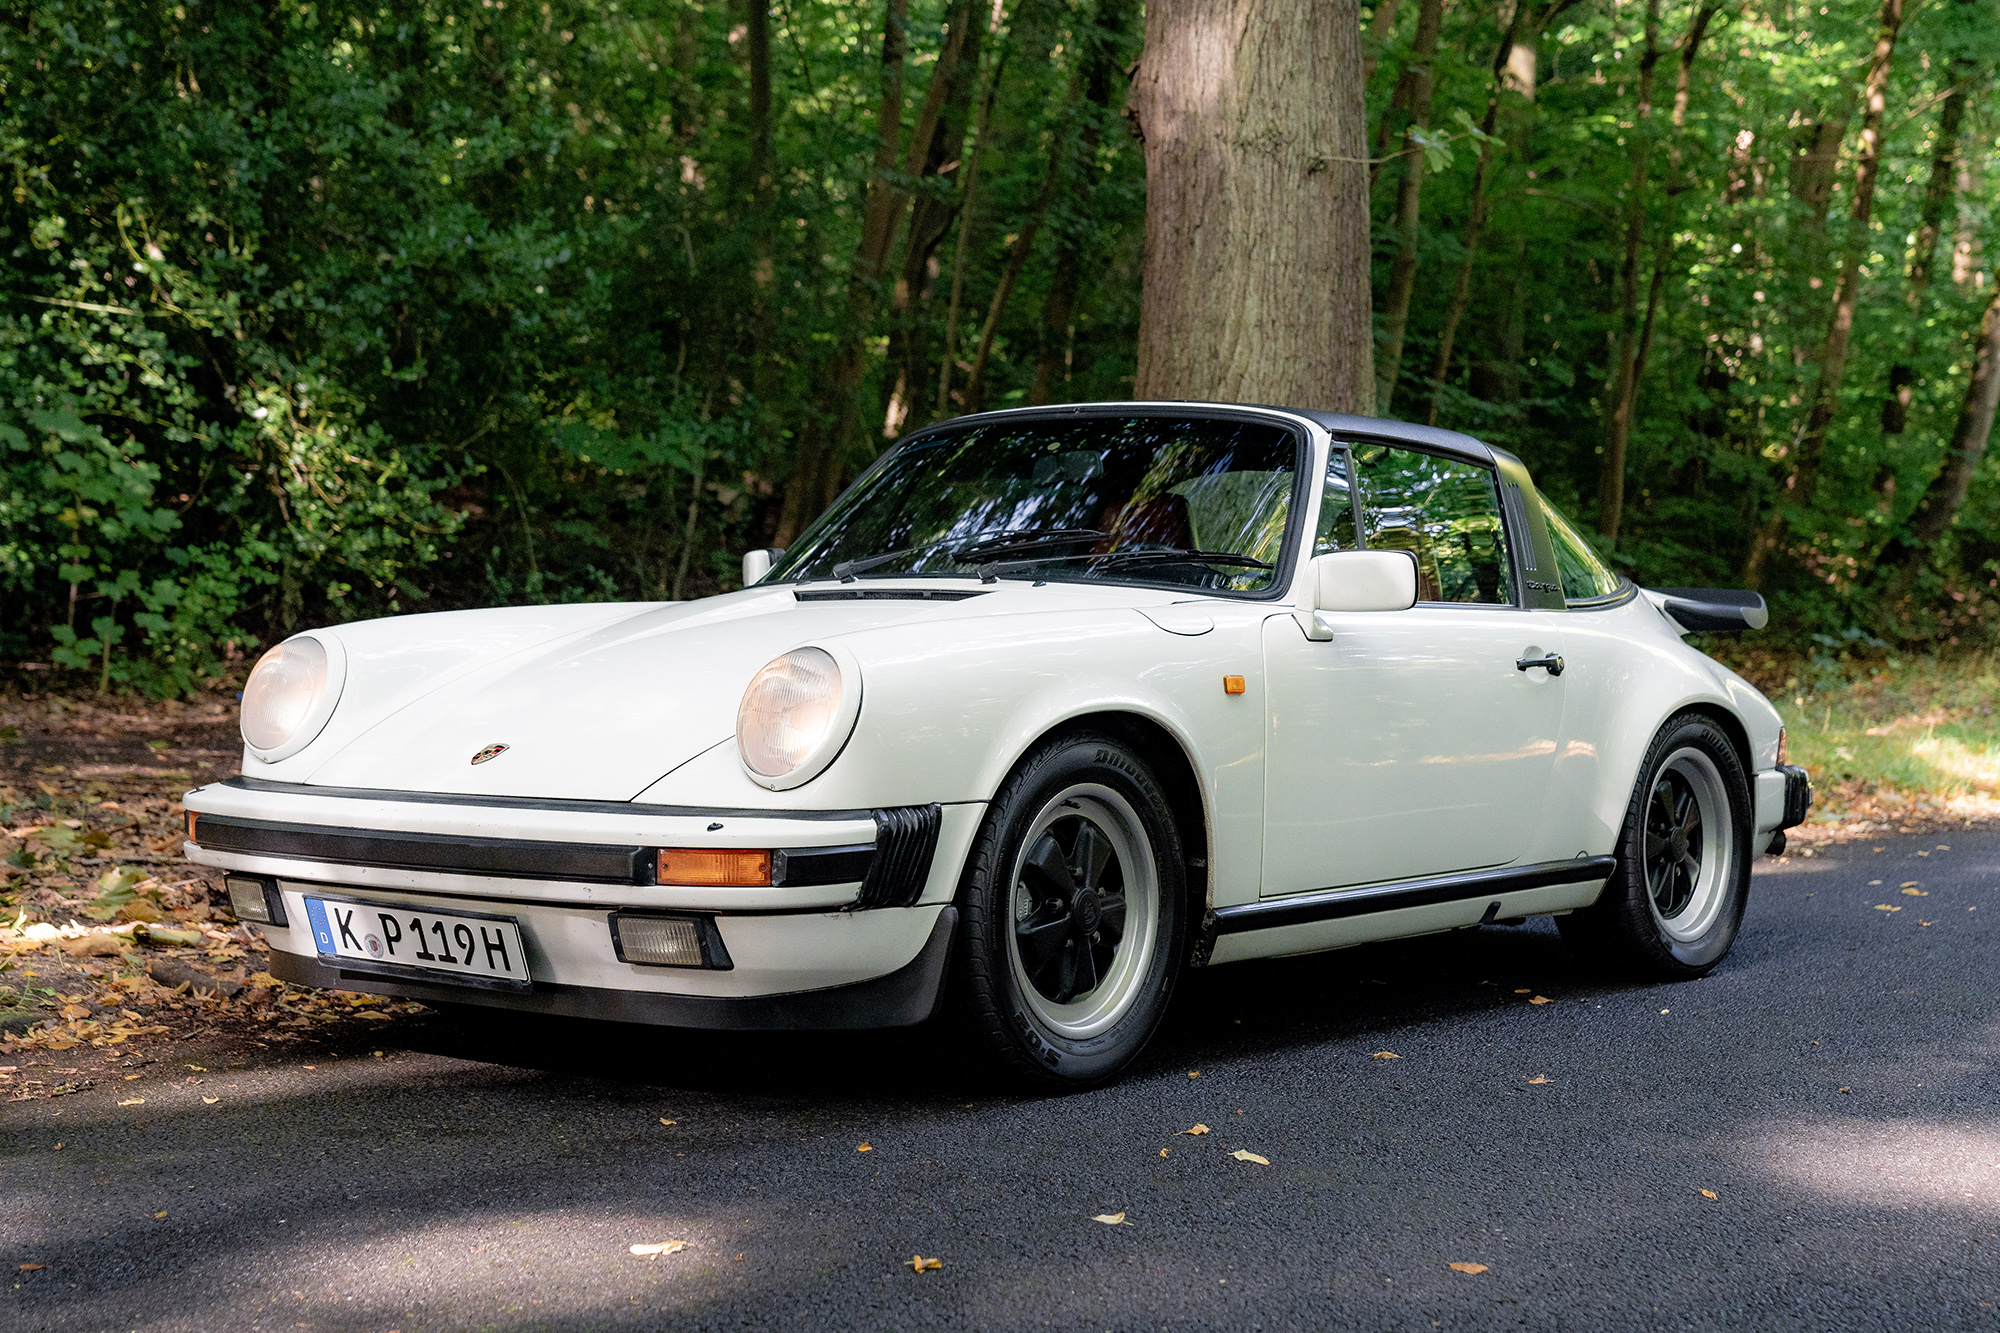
(1066, 500)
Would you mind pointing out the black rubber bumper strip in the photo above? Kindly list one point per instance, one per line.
(903, 998)
(1334, 904)
(507, 858)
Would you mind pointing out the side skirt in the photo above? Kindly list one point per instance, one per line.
(1336, 904)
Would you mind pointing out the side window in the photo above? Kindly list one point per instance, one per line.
(1445, 511)
(1336, 508)
(1584, 576)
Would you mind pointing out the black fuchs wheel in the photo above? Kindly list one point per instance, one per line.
(1675, 904)
(1072, 914)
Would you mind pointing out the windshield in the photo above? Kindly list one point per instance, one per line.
(1184, 501)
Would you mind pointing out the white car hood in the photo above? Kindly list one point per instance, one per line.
(606, 713)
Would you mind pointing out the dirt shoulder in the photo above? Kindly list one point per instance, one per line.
(113, 948)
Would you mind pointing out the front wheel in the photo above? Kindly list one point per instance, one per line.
(1073, 912)
(1675, 903)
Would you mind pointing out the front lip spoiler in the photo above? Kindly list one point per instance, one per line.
(903, 998)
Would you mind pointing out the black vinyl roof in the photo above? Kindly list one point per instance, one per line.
(1341, 425)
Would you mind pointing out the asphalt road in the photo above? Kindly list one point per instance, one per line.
(1833, 1085)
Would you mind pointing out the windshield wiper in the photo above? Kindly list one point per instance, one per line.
(994, 544)
(1170, 555)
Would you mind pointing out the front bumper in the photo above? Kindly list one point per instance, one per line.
(1784, 797)
(861, 897)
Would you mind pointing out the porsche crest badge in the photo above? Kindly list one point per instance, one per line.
(490, 752)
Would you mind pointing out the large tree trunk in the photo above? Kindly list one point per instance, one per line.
(1938, 193)
(1840, 329)
(1625, 359)
(1946, 493)
(1256, 283)
(1409, 200)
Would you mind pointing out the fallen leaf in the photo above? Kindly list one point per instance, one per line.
(76, 1011)
(30, 1268)
(1887, 907)
(918, 1263)
(130, 1077)
(1710, 1194)
(1909, 884)
(1111, 1219)
(1245, 1155)
(1541, 999)
(1541, 1078)
(203, 1069)
(133, 1101)
(1923, 923)
(665, 1121)
(1199, 1128)
(1164, 1153)
(1194, 1073)
(210, 1101)
(1847, 1090)
(1664, 1011)
(157, 1216)
(866, 1147)
(663, 1247)
(1524, 991)
(59, 1147)
(1385, 1055)
(1461, 1266)
(1916, 893)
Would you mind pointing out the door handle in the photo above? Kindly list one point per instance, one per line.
(1553, 663)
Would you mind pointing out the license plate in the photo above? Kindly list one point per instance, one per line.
(464, 948)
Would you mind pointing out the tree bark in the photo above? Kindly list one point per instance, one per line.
(1938, 193)
(1945, 495)
(1256, 282)
(762, 192)
(965, 217)
(1618, 422)
(1409, 200)
(1832, 357)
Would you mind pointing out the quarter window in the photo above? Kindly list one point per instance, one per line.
(1336, 508)
(1446, 512)
(1584, 576)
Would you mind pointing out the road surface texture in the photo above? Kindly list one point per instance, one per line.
(1809, 1138)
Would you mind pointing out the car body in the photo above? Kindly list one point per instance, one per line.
(1333, 776)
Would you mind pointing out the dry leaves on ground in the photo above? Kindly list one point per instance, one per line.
(918, 1263)
(1540, 999)
(865, 1147)
(1541, 1078)
(1385, 1055)
(1199, 1128)
(1111, 1219)
(1710, 1194)
(1245, 1155)
(1463, 1266)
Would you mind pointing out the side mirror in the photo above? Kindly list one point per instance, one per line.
(1358, 581)
(757, 563)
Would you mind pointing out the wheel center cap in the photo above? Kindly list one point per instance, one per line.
(1089, 911)
(1679, 844)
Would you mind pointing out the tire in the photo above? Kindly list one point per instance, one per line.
(1675, 903)
(1072, 915)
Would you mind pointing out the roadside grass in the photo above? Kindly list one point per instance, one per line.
(1892, 742)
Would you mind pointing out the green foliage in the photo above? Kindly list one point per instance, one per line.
(319, 311)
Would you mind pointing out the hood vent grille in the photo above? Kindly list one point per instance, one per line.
(887, 595)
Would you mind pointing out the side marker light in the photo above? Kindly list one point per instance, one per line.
(1233, 685)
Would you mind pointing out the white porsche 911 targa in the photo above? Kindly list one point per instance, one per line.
(1051, 705)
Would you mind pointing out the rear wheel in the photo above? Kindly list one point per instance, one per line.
(1673, 907)
(1073, 914)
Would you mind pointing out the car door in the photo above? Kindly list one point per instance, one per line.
(1411, 743)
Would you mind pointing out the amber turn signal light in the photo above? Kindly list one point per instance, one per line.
(192, 816)
(1233, 685)
(713, 868)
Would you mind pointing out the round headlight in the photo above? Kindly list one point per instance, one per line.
(288, 698)
(795, 717)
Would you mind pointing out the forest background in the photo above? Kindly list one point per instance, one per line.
(317, 311)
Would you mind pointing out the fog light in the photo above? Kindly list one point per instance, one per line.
(667, 941)
(255, 900)
(714, 868)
